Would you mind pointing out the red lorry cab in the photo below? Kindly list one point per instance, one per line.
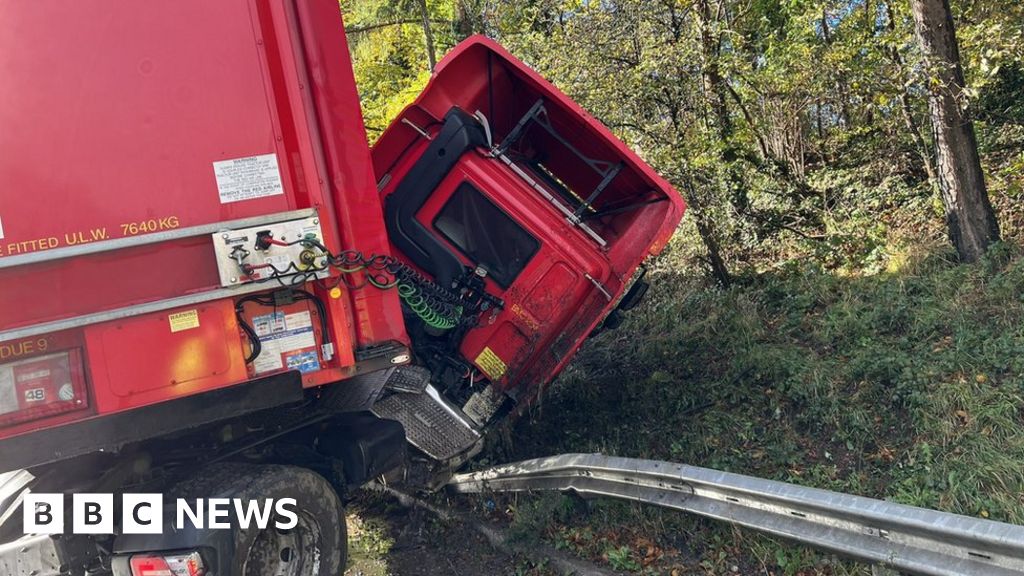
(494, 174)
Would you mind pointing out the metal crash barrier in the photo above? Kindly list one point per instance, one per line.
(906, 538)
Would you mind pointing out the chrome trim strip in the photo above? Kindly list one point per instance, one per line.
(129, 311)
(153, 238)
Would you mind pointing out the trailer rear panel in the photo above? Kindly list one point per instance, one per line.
(138, 158)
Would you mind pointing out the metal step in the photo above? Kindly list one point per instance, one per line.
(431, 423)
(409, 379)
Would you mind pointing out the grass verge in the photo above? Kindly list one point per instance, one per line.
(905, 384)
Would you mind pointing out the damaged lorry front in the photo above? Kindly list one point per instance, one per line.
(530, 220)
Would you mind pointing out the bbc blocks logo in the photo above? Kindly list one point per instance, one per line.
(144, 514)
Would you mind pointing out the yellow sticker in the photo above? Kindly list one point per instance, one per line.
(181, 321)
(489, 362)
(335, 293)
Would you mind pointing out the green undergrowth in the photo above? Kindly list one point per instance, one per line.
(905, 383)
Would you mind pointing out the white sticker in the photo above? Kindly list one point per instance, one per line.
(268, 324)
(268, 360)
(298, 320)
(1, 229)
(37, 375)
(35, 395)
(280, 335)
(8, 392)
(66, 392)
(248, 178)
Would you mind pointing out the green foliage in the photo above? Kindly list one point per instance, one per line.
(621, 558)
(370, 542)
(907, 384)
(752, 109)
(389, 52)
(532, 518)
(851, 353)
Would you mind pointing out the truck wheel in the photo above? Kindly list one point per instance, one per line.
(316, 546)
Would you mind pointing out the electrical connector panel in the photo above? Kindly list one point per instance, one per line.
(261, 253)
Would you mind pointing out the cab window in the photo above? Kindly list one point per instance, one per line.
(486, 234)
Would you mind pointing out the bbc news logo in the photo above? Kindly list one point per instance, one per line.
(144, 514)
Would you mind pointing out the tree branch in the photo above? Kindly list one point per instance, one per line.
(379, 25)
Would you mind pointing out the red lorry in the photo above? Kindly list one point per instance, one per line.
(212, 286)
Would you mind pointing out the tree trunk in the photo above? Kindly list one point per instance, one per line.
(715, 85)
(915, 133)
(714, 260)
(431, 54)
(708, 235)
(469, 19)
(969, 216)
(841, 87)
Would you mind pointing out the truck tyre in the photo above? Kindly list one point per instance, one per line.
(317, 546)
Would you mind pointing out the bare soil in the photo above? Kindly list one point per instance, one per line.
(387, 539)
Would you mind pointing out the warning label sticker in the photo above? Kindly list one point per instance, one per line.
(248, 178)
(268, 324)
(299, 320)
(182, 321)
(287, 340)
(303, 362)
(491, 364)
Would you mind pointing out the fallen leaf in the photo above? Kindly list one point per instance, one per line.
(962, 415)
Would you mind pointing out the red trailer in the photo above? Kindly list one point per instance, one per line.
(211, 285)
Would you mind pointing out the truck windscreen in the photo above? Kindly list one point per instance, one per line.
(485, 234)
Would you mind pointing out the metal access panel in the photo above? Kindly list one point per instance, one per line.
(288, 251)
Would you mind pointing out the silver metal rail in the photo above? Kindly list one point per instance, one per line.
(133, 242)
(150, 238)
(134, 310)
(914, 540)
(31, 556)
